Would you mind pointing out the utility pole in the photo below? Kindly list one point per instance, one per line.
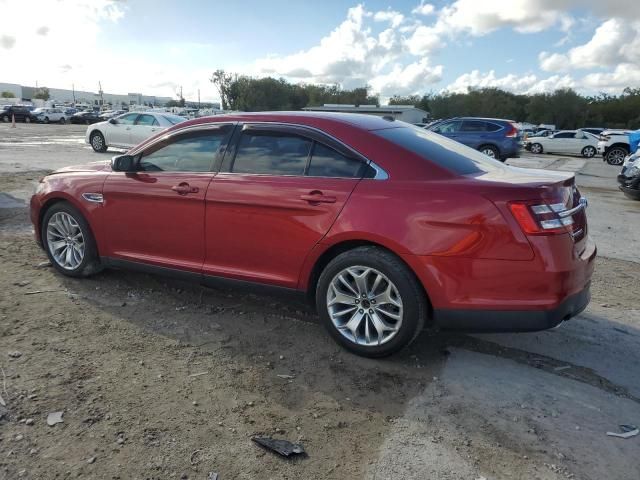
(73, 89)
(101, 96)
(198, 99)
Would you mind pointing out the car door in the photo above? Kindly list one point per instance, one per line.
(155, 215)
(278, 192)
(473, 133)
(560, 142)
(118, 133)
(144, 127)
(580, 140)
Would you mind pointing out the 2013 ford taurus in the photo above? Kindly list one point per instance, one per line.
(387, 227)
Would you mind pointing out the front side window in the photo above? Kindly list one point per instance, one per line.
(147, 120)
(326, 162)
(128, 119)
(564, 135)
(194, 152)
(271, 153)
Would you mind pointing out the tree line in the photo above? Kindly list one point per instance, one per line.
(564, 108)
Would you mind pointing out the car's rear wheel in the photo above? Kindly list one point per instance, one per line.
(97, 142)
(536, 148)
(69, 242)
(5, 118)
(27, 119)
(62, 121)
(615, 156)
(370, 302)
(588, 151)
(46, 119)
(490, 151)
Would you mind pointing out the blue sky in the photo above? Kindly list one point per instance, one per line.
(401, 47)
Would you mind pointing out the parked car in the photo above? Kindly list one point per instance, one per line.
(129, 129)
(575, 142)
(22, 113)
(86, 118)
(541, 133)
(629, 178)
(110, 114)
(614, 146)
(495, 138)
(384, 226)
(49, 115)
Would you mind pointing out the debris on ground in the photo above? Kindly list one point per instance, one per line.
(15, 354)
(212, 476)
(286, 377)
(22, 283)
(43, 264)
(283, 447)
(54, 417)
(198, 374)
(628, 431)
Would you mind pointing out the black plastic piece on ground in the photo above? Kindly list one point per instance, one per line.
(283, 447)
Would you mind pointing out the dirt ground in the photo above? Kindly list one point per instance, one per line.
(160, 379)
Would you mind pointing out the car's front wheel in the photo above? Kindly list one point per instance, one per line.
(536, 148)
(62, 121)
(370, 302)
(46, 120)
(69, 242)
(97, 142)
(490, 151)
(615, 156)
(588, 151)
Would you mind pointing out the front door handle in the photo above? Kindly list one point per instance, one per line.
(316, 197)
(184, 188)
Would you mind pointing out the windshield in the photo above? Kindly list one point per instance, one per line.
(446, 153)
(174, 119)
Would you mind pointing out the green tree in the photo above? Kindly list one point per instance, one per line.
(42, 94)
(6, 94)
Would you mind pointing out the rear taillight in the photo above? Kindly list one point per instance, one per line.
(536, 218)
(512, 132)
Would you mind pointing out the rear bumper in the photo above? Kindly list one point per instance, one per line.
(513, 320)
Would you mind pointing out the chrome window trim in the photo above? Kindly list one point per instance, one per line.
(381, 174)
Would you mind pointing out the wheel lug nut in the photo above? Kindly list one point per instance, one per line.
(373, 301)
(361, 311)
(357, 301)
(371, 311)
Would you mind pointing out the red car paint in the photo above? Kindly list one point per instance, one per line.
(456, 232)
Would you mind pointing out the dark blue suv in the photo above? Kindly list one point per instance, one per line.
(496, 138)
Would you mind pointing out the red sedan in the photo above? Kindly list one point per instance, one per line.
(386, 227)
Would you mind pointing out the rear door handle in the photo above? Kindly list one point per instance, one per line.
(184, 188)
(317, 197)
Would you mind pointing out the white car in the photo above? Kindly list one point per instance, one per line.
(574, 142)
(47, 115)
(128, 130)
(614, 146)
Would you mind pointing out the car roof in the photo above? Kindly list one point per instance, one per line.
(358, 120)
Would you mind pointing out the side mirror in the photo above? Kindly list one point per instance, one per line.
(123, 163)
(113, 121)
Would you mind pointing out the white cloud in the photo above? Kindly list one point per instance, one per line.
(424, 9)
(353, 56)
(395, 18)
(523, 84)
(624, 75)
(613, 42)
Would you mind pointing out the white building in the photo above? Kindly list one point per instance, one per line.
(406, 113)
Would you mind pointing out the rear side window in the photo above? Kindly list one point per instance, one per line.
(271, 153)
(473, 126)
(194, 152)
(564, 135)
(444, 152)
(148, 120)
(326, 162)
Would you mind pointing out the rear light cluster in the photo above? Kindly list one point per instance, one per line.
(513, 131)
(537, 218)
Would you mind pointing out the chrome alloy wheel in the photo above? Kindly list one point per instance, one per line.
(489, 152)
(364, 306)
(96, 142)
(65, 240)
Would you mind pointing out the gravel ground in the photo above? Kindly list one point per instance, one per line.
(160, 379)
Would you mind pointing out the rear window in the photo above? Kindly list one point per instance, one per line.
(174, 119)
(446, 153)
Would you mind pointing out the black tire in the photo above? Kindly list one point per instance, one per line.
(588, 151)
(5, 119)
(615, 155)
(62, 121)
(27, 119)
(414, 302)
(536, 148)
(98, 142)
(90, 264)
(46, 120)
